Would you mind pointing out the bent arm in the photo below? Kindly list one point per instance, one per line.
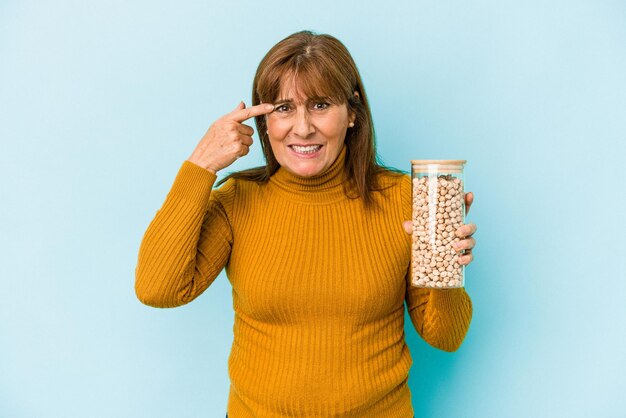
(440, 316)
(186, 245)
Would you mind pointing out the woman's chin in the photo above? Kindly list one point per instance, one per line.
(305, 168)
(306, 171)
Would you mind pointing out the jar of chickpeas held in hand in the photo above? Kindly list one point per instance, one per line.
(438, 211)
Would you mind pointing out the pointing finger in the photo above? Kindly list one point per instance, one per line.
(242, 114)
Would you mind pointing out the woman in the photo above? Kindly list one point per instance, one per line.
(316, 245)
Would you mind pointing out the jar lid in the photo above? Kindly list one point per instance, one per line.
(442, 162)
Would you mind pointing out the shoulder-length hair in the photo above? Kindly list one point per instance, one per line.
(321, 66)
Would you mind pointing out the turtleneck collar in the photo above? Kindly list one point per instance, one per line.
(326, 187)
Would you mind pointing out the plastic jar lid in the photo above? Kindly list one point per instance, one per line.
(443, 162)
(434, 166)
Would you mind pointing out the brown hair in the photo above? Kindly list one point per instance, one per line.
(323, 67)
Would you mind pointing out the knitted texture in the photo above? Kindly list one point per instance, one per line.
(319, 288)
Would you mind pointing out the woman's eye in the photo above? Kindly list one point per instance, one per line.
(320, 105)
(282, 108)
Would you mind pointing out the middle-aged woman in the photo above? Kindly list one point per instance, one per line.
(316, 245)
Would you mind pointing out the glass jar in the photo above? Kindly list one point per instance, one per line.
(438, 211)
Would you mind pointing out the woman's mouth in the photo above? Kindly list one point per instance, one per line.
(309, 151)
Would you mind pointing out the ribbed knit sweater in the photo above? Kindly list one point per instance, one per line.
(319, 287)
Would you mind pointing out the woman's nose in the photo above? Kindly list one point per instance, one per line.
(302, 124)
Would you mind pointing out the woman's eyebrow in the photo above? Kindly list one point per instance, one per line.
(309, 100)
(319, 98)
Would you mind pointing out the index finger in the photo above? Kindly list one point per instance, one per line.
(466, 230)
(240, 115)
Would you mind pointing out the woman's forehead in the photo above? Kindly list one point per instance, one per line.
(295, 96)
(300, 90)
(292, 91)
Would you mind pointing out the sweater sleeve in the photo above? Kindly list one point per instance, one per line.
(188, 242)
(440, 316)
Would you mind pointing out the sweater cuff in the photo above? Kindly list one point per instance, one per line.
(193, 183)
(448, 299)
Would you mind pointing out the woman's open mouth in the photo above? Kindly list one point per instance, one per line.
(309, 151)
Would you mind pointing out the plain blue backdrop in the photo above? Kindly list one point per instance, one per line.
(101, 102)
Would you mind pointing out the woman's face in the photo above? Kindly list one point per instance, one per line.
(306, 134)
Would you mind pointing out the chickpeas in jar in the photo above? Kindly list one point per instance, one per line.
(438, 211)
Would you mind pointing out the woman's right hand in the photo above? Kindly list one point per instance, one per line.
(227, 138)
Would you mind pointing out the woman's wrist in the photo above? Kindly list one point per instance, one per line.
(205, 166)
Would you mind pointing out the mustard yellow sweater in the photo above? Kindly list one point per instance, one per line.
(318, 286)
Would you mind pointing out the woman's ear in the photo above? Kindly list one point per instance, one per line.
(351, 119)
(353, 113)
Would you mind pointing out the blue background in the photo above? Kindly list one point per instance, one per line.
(101, 102)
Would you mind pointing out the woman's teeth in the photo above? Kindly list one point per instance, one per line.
(306, 150)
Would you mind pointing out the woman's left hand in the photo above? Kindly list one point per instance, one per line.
(464, 231)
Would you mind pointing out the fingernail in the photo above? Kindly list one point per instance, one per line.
(269, 106)
(456, 245)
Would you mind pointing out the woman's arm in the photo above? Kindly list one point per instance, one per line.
(440, 316)
(188, 242)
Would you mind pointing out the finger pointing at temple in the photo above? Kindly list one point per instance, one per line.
(241, 113)
(227, 139)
